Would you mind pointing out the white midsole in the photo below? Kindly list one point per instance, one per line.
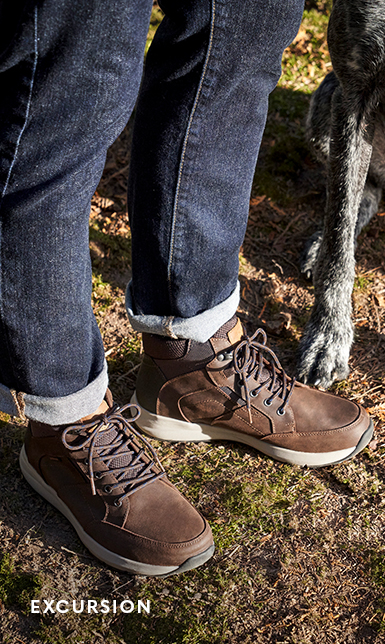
(172, 429)
(110, 558)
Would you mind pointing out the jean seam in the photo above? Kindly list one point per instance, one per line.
(36, 54)
(184, 148)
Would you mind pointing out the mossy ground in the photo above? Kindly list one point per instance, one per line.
(300, 553)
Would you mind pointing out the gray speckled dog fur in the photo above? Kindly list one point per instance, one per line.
(346, 126)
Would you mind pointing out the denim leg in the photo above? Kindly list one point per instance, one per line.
(69, 79)
(199, 123)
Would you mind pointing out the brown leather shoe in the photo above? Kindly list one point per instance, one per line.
(233, 387)
(113, 489)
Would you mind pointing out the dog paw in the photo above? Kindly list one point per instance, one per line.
(324, 354)
(309, 255)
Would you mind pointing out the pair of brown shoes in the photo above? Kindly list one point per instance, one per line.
(107, 480)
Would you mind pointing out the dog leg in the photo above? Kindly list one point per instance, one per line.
(318, 126)
(368, 207)
(318, 136)
(324, 349)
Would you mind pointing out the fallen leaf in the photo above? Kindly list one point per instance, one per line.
(380, 300)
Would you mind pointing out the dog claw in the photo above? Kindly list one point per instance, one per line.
(309, 255)
(324, 354)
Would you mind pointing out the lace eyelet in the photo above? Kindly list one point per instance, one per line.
(226, 355)
(281, 412)
(107, 489)
(254, 393)
(86, 461)
(118, 503)
(98, 475)
(267, 402)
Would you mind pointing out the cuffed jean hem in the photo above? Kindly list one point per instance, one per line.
(199, 327)
(55, 411)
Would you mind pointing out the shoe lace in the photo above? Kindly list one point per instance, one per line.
(112, 439)
(253, 360)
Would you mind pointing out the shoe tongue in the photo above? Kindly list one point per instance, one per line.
(266, 372)
(265, 375)
(107, 437)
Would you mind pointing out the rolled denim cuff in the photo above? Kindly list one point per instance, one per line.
(55, 411)
(199, 328)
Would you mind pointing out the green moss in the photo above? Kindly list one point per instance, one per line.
(53, 634)
(126, 357)
(284, 147)
(113, 242)
(377, 566)
(102, 295)
(17, 588)
(287, 109)
(78, 630)
(180, 628)
(362, 282)
(261, 504)
(341, 386)
(193, 612)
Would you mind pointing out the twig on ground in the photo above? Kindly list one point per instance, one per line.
(118, 172)
(291, 222)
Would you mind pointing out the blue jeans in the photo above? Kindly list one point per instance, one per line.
(69, 79)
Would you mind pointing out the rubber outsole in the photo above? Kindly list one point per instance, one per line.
(105, 555)
(172, 429)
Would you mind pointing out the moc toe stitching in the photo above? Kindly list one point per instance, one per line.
(158, 542)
